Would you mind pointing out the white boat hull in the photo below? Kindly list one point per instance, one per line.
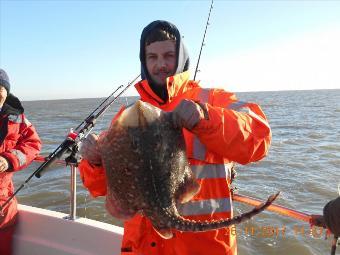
(44, 232)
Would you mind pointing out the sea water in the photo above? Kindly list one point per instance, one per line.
(303, 163)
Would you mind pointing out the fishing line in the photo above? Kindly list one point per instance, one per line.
(203, 41)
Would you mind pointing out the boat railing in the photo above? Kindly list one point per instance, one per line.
(73, 184)
(310, 218)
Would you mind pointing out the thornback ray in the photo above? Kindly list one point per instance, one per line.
(148, 172)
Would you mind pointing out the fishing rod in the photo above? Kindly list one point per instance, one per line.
(206, 27)
(275, 208)
(73, 139)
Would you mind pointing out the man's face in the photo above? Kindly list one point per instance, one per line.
(161, 60)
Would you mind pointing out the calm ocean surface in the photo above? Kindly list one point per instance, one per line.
(303, 163)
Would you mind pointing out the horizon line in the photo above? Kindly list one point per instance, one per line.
(236, 92)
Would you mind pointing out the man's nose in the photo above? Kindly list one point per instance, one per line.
(161, 62)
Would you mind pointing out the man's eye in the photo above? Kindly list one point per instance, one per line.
(170, 55)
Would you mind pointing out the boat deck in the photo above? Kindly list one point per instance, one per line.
(46, 232)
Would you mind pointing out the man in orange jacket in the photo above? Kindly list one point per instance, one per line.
(218, 131)
(19, 145)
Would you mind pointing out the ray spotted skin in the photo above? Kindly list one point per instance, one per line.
(148, 172)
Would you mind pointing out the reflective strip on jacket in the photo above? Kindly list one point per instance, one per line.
(19, 144)
(234, 132)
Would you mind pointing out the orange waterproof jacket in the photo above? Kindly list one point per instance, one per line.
(235, 131)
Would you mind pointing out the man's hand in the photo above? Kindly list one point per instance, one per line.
(187, 114)
(3, 164)
(89, 150)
